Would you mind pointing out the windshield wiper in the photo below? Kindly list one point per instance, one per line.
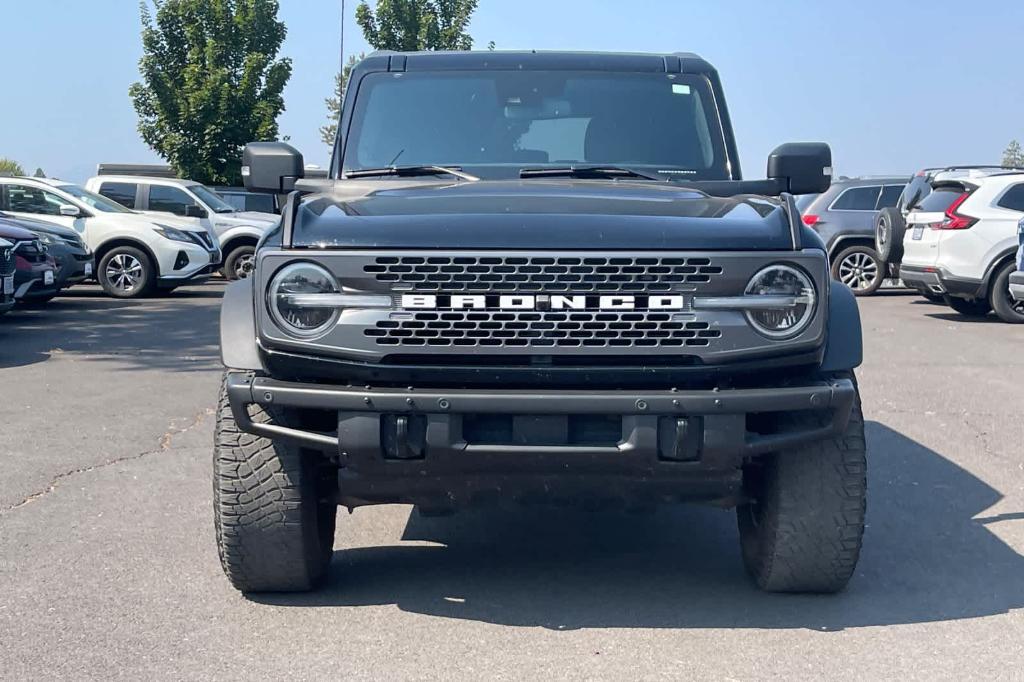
(410, 171)
(589, 171)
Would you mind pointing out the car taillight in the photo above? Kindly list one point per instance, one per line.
(811, 220)
(955, 221)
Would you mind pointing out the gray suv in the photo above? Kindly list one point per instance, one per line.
(844, 217)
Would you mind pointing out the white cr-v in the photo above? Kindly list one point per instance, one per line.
(961, 241)
(135, 253)
(237, 232)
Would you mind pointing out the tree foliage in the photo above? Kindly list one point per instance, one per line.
(10, 167)
(211, 82)
(1013, 156)
(330, 131)
(417, 24)
(39, 173)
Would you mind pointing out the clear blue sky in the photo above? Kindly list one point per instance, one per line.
(892, 86)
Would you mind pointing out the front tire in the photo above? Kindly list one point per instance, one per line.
(802, 529)
(240, 263)
(126, 272)
(859, 268)
(1007, 309)
(969, 307)
(274, 507)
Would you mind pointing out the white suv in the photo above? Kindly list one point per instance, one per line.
(237, 232)
(961, 241)
(135, 253)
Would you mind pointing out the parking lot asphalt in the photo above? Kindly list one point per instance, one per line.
(108, 567)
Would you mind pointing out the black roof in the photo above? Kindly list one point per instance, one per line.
(678, 62)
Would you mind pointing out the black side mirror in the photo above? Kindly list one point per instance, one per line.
(271, 167)
(193, 211)
(801, 167)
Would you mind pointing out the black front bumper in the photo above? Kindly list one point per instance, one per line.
(409, 445)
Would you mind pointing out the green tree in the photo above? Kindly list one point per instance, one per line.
(10, 167)
(417, 24)
(330, 131)
(39, 173)
(1013, 156)
(211, 82)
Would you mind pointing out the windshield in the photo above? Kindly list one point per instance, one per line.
(211, 199)
(94, 201)
(494, 123)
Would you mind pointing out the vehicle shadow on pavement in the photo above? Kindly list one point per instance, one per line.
(926, 558)
(178, 332)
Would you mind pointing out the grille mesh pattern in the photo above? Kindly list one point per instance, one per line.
(7, 261)
(543, 329)
(540, 274)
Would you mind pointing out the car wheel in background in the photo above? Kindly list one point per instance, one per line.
(859, 268)
(969, 307)
(1003, 303)
(240, 263)
(889, 230)
(126, 272)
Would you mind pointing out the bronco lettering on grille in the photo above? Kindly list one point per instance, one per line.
(541, 302)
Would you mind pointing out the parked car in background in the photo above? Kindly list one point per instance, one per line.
(890, 223)
(1017, 277)
(7, 267)
(135, 253)
(237, 231)
(961, 241)
(34, 268)
(844, 217)
(74, 259)
(242, 199)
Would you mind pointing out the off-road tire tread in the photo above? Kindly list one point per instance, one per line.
(265, 503)
(811, 523)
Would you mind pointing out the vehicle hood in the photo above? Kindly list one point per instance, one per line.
(41, 226)
(539, 214)
(152, 218)
(264, 221)
(10, 230)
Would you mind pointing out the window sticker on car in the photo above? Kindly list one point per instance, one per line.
(680, 89)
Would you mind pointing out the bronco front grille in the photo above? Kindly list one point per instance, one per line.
(640, 329)
(542, 274)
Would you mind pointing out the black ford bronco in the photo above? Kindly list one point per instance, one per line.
(539, 278)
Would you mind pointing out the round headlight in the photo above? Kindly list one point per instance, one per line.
(793, 292)
(298, 320)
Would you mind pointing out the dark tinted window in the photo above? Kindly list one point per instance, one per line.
(500, 121)
(264, 203)
(857, 199)
(1013, 199)
(28, 199)
(916, 190)
(121, 192)
(890, 195)
(169, 199)
(940, 199)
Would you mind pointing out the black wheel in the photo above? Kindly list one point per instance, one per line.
(1007, 309)
(889, 230)
(274, 507)
(969, 307)
(802, 529)
(859, 268)
(126, 272)
(240, 263)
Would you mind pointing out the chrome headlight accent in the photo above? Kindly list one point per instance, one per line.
(284, 300)
(792, 290)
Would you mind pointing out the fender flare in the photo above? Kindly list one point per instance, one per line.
(238, 346)
(844, 345)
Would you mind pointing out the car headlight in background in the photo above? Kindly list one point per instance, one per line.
(788, 303)
(46, 239)
(172, 233)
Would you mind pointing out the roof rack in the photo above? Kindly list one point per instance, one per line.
(987, 166)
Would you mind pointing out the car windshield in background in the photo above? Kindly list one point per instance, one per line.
(212, 199)
(94, 201)
(495, 123)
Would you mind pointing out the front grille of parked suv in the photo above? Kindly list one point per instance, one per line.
(33, 251)
(8, 264)
(201, 238)
(457, 274)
